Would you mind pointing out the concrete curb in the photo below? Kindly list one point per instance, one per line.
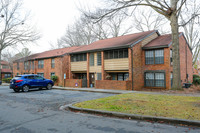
(85, 90)
(136, 117)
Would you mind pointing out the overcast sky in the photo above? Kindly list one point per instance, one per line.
(51, 17)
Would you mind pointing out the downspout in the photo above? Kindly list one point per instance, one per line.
(186, 62)
(132, 66)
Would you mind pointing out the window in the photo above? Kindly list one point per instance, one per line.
(78, 57)
(40, 63)
(159, 56)
(17, 73)
(17, 65)
(99, 59)
(52, 74)
(31, 77)
(119, 76)
(32, 62)
(7, 75)
(39, 77)
(99, 76)
(91, 59)
(52, 63)
(40, 74)
(154, 56)
(5, 67)
(149, 57)
(115, 54)
(155, 79)
(26, 65)
(171, 59)
(171, 78)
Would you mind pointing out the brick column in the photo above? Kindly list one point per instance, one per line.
(102, 66)
(70, 73)
(88, 74)
(130, 67)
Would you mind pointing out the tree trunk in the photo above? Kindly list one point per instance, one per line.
(176, 56)
(0, 66)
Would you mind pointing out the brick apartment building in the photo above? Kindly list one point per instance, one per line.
(144, 58)
(129, 62)
(6, 71)
(46, 64)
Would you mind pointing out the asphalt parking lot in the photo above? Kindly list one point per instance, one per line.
(38, 112)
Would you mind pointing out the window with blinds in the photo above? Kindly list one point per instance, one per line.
(154, 56)
(91, 59)
(40, 63)
(155, 79)
(78, 57)
(99, 59)
(115, 54)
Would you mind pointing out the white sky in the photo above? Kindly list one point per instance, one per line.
(51, 18)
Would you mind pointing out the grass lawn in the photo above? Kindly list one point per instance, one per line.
(182, 107)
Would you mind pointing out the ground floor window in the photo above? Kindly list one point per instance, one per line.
(99, 76)
(119, 76)
(40, 74)
(155, 79)
(7, 75)
(52, 74)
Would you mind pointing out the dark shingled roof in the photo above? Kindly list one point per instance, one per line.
(163, 40)
(48, 54)
(121, 41)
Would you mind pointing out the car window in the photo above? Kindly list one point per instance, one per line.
(38, 77)
(30, 77)
(17, 77)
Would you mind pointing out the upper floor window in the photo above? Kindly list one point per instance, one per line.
(78, 57)
(40, 63)
(26, 65)
(52, 63)
(32, 64)
(91, 59)
(154, 56)
(5, 66)
(114, 54)
(17, 65)
(99, 59)
(171, 59)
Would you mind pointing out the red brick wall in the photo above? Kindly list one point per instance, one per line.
(73, 83)
(62, 66)
(113, 84)
(185, 61)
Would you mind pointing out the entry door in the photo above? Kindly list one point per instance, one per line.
(84, 81)
(92, 80)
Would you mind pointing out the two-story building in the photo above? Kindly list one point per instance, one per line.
(129, 62)
(45, 64)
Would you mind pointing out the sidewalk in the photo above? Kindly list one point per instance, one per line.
(123, 91)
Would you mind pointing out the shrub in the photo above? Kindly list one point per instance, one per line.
(196, 76)
(196, 79)
(54, 78)
(7, 80)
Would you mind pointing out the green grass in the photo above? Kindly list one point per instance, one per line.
(182, 107)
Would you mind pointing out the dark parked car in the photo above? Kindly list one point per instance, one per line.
(26, 82)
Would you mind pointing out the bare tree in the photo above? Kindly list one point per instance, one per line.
(13, 27)
(191, 29)
(84, 31)
(171, 9)
(146, 20)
